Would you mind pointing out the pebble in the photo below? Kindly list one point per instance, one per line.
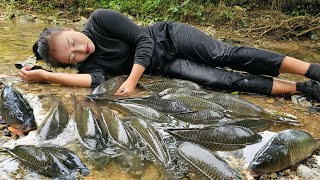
(306, 173)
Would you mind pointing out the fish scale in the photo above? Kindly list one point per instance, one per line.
(68, 158)
(251, 123)
(295, 147)
(194, 103)
(205, 164)
(218, 137)
(147, 112)
(117, 129)
(55, 121)
(162, 85)
(161, 105)
(39, 160)
(184, 90)
(152, 139)
(90, 134)
(200, 117)
(237, 105)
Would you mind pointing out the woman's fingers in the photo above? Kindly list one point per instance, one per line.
(23, 76)
(27, 68)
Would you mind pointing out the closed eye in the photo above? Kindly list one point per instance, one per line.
(72, 55)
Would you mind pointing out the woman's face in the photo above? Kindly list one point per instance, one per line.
(71, 47)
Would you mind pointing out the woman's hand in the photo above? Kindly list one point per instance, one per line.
(126, 89)
(38, 75)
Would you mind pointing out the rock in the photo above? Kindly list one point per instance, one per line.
(300, 100)
(273, 175)
(306, 173)
(316, 160)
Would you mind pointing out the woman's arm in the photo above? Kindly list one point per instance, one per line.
(39, 75)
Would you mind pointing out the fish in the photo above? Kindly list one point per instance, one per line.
(117, 130)
(152, 138)
(107, 89)
(194, 103)
(55, 121)
(217, 138)
(90, 134)
(162, 105)
(183, 90)
(39, 160)
(162, 85)
(147, 112)
(204, 164)
(16, 111)
(68, 158)
(236, 104)
(200, 117)
(251, 123)
(285, 149)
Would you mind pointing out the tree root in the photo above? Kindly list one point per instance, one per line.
(295, 27)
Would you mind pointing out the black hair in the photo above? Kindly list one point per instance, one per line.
(42, 47)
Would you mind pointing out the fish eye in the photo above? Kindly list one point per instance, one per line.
(11, 114)
(269, 157)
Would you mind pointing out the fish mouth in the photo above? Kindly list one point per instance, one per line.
(255, 172)
(26, 130)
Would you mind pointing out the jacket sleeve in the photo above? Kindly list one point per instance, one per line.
(120, 26)
(98, 75)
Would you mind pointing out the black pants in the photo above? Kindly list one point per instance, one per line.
(198, 55)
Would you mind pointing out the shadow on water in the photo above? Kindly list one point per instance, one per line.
(16, 40)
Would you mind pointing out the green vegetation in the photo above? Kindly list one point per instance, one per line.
(252, 16)
(200, 11)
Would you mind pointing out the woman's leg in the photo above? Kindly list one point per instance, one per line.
(283, 87)
(218, 78)
(228, 80)
(293, 66)
(192, 44)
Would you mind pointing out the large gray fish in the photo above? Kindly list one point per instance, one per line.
(90, 134)
(147, 112)
(236, 104)
(106, 90)
(183, 90)
(201, 117)
(205, 164)
(55, 121)
(39, 160)
(16, 111)
(193, 102)
(68, 158)
(117, 130)
(218, 138)
(162, 105)
(162, 85)
(285, 149)
(256, 124)
(152, 138)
